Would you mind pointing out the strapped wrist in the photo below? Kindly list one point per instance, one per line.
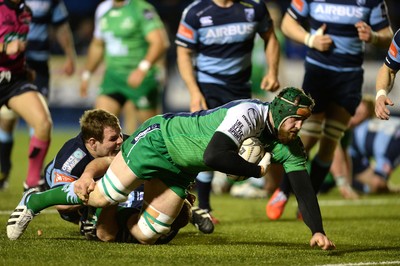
(144, 65)
(309, 40)
(380, 93)
(86, 75)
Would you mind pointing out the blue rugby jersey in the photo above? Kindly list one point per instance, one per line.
(393, 57)
(69, 163)
(45, 13)
(223, 38)
(340, 16)
(379, 140)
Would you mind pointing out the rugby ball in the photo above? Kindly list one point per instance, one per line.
(252, 151)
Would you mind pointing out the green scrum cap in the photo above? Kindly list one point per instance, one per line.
(290, 102)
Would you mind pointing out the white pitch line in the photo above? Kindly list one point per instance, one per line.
(4, 212)
(359, 202)
(364, 263)
(343, 202)
(365, 202)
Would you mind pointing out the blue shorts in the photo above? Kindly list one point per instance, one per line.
(42, 80)
(218, 94)
(327, 86)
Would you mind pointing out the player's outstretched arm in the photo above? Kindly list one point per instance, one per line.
(309, 208)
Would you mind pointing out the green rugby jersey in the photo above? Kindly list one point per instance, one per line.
(124, 30)
(187, 135)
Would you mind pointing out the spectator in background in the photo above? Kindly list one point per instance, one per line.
(45, 14)
(333, 74)
(131, 38)
(214, 41)
(16, 89)
(81, 15)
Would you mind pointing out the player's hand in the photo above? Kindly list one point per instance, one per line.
(265, 163)
(15, 47)
(365, 33)
(83, 187)
(381, 111)
(321, 41)
(348, 192)
(270, 83)
(197, 102)
(84, 88)
(136, 78)
(69, 66)
(322, 241)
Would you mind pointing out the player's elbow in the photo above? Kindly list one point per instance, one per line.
(210, 160)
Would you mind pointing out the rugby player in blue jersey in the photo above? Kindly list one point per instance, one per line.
(376, 140)
(333, 73)
(214, 41)
(98, 142)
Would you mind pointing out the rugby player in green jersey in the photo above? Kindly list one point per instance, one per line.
(168, 151)
(130, 38)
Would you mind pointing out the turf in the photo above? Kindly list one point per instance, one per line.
(366, 232)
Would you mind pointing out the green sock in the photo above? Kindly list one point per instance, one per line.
(63, 195)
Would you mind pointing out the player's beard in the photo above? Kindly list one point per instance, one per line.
(288, 136)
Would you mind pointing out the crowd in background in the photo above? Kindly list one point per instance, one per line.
(82, 13)
(82, 25)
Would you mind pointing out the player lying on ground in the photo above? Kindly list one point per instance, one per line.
(89, 153)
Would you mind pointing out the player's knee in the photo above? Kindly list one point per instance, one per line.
(7, 114)
(152, 224)
(105, 236)
(334, 130)
(312, 128)
(42, 128)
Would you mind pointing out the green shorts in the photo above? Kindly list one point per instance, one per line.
(146, 96)
(147, 156)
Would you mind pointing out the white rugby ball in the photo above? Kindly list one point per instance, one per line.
(252, 151)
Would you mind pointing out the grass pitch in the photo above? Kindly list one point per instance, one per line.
(365, 231)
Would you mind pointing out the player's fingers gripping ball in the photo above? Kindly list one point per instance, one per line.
(252, 151)
(265, 162)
